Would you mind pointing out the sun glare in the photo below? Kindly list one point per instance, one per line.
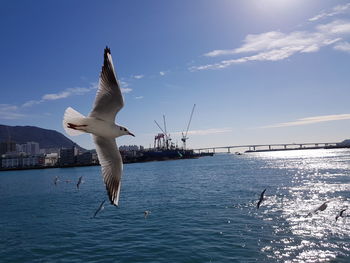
(275, 5)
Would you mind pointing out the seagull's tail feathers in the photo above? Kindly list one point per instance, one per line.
(71, 119)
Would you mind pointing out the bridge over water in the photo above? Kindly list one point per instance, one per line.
(270, 147)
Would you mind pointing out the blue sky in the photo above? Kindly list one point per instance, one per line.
(273, 71)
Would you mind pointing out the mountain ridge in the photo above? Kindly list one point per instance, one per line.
(45, 137)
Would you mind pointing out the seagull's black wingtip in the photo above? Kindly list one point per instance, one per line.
(107, 50)
(116, 205)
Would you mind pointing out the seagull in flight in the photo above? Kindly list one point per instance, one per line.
(100, 208)
(261, 199)
(146, 213)
(79, 181)
(340, 214)
(320, 208)
(101, 124)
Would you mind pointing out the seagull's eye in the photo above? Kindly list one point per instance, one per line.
(124, 129)
(120, 128)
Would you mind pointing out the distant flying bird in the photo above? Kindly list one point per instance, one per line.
(100, 123)
(79, 181)
(320, 208)
(146, 213)
(100, 208)
(340, 214)
(56, 180)
(261, 199)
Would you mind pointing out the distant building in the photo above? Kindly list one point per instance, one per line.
(10, 162)
(33, 148)
(94, 158)
(32, 160)
(30, 148)
(130, 151)
(51, 159)
(67, 156)
(84, 158)
(126, 148)
(8, 146)
(50, 150)
(21, 161)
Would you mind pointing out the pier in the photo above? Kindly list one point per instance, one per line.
(271, 147)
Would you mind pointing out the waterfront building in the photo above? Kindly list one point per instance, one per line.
(15, 160)
(30, 148)
(10, 162)
(67, 156)
(94, 158)
(32, 161)
(7, 146)
(50, 150)
(126, 148)
(51, 159)
(84, 158)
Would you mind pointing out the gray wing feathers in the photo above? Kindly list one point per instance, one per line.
(111, 165)
(109, 99)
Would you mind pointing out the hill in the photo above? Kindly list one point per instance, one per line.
(46, 138)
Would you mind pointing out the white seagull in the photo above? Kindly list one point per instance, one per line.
(100, 123)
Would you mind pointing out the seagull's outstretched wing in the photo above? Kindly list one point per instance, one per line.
(261, 199)
(109, 99)
(101, 207)
(111, 165)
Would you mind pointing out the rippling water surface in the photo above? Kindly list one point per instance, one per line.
(202, 210)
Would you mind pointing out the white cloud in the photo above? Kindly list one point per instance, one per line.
(343, 46)
(272, 55)
(337, 27)
(31, 103)
(311, 120)
(340, 9)
(68, 92)
(206, 131)
(139, 97)
(219, 52)
(138, 76)
(274, 45)
(61, 95)
(56, 96)
(10, 112)
(123, 84)
(162, 73)
(125, 90)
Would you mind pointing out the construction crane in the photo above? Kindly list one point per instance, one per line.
(166, 136)
(184, 135)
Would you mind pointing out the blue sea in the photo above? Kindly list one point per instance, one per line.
(201, 210)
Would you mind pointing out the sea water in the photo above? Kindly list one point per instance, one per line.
(201, 210)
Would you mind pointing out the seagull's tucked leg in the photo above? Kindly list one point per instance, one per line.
(76, 126)
(73, 122)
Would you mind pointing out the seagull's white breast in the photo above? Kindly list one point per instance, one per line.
(102, 128)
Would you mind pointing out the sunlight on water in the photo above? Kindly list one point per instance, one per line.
(202, 210)
(317, 176)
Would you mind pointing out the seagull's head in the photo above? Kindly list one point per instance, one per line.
(125, 131)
